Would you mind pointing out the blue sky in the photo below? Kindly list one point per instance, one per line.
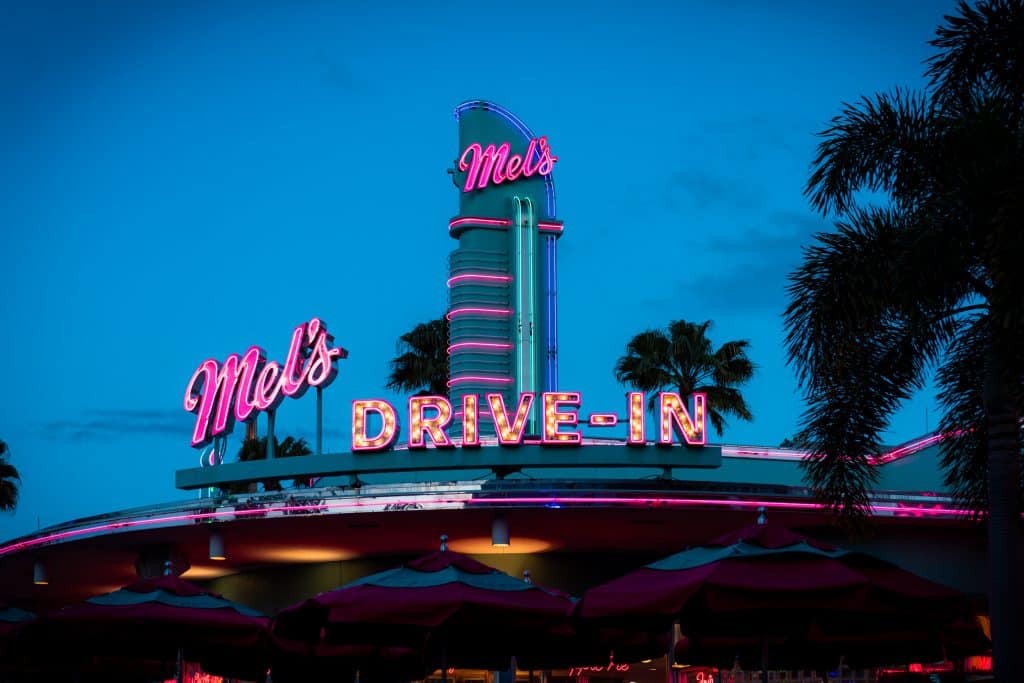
(182, 180)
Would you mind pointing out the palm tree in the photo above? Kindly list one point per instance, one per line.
(422, 361)
(931, 280)
(9, 479)
(684, 361)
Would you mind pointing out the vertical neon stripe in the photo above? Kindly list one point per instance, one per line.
(530, 230)
(517, 336)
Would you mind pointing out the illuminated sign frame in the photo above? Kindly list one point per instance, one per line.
(560, 408)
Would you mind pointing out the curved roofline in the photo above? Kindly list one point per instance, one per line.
(524, 130)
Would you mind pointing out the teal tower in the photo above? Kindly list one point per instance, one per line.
(502, 303)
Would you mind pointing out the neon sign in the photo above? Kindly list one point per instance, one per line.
(243, 386)
(430, 417)
(489, 164)
(580, 671)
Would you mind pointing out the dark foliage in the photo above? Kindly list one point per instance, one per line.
(9, 480)
(683, 360)
(422, 362)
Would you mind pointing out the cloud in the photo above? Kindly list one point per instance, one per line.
(118, 422)
(339, 75)
(752, 265)
(705, 189)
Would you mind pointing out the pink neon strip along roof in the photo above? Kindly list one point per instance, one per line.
(461, 500)
(478, 311)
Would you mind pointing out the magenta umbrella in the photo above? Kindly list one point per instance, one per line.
(454, 610)
(163, 620)
(752, 590)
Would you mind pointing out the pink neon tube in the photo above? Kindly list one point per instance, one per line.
(481, 379)
(478, 221)
(479, 278)
(493, 346)
(544, 226)
(478, 311)
(645, 502)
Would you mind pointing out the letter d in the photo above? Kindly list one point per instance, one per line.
(389, 425)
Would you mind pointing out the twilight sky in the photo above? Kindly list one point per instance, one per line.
(183, 180)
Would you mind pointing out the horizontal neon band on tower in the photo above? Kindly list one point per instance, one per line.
(543, 226)
(478, 311)
(488, 346)
(501, 222)
(482, 379)
(479, 278)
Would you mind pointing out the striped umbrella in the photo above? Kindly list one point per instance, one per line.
(10, 618)
(452, 609)
(161, 619)
(764, 585)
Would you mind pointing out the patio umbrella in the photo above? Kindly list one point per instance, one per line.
(163, 620)
(10, 617)
(763, 588)
(453, 609)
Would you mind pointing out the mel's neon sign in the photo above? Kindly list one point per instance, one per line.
(491, 164)
(430, 418)
(243, 386)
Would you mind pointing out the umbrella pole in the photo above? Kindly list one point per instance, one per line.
(179, 674)
(764, 659)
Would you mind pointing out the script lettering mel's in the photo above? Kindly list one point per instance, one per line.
(243, 386)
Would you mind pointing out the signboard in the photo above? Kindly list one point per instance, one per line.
(430, 417)
(484, 165)
(243, 386)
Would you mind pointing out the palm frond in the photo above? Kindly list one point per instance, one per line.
(684, 361)
(882, 143)
(422, 363)
(9, 479)
(981, 50)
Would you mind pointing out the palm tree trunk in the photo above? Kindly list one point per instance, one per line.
(1003, 522)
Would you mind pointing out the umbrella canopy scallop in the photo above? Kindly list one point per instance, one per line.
(765, 587)
(454, 609)
(154, 619)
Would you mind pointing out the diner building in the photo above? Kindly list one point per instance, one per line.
(523, 495)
